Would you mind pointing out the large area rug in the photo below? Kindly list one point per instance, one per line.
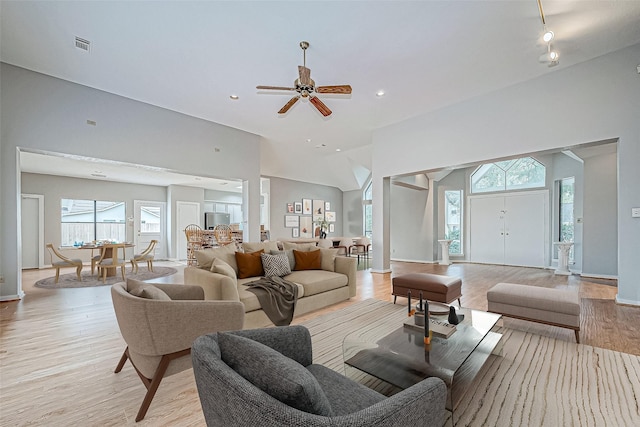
(70, 280)
(537, 381)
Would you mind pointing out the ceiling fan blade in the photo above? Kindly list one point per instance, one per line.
(324, 110)
(305, 75)
(288, 105)
(275, 88)
(342, 89)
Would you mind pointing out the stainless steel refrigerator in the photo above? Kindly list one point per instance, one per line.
(211, 219)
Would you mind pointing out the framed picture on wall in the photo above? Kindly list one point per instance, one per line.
(318, 210)
(289, 207)
(297, 207)
(330, 216)
(306, 206)
(291, 221)
(306, 226)
(327, 206)
(332, 228)
(295, 232)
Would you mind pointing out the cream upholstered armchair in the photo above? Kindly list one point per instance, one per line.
(145, 256)
(159, 322)
(58, 261)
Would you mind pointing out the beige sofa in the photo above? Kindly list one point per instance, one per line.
(333, 283)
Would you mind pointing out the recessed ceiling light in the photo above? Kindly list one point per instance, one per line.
(321, 145)
(337, 149)
(308, 139)
(234, 97)
(380, 93)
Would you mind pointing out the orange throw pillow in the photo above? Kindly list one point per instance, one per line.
(249, 265)
(307, 260)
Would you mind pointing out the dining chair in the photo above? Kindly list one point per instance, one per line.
(144, 256)
(63, 261)
(344, 248)
(106, 262)
(223, 234)
(361, 247)
(194, 242)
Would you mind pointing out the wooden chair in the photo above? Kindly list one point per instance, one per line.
(63, 261)
(194, 242)
(344, 248)
(223, 234)
(145, 256)
(109, 259)
(361, 247)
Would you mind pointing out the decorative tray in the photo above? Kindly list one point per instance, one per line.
(437, 308)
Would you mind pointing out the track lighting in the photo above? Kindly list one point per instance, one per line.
(550, 57)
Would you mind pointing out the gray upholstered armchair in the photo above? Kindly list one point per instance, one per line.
(266, 377)
(159, 323)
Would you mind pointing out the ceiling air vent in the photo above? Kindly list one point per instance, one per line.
(83, 44)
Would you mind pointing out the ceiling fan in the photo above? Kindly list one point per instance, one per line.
(307, 88)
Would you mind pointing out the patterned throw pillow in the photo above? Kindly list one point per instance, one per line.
(275, 265)
(289, 255)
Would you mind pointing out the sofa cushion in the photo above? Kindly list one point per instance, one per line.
(226, 253)
(317, 281)
(275, 374)
(250, 300)
(302, 247)
(150, 292)
(275, 265)
(307, 260)
(256, 246)
(345, 395)
(290, 257)
(249, 264)
(221, 267)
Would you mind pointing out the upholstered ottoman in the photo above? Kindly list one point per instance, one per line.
(556, 307)
(434, 287)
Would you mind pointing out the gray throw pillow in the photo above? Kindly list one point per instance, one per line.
(275, 265)
(290, 257)
(150, 292)
(275, 374)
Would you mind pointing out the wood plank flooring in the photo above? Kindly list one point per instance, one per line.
(59, 347)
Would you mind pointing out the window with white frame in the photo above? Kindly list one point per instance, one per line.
(89, 220)
(367, 211)
(565, 215)
(453, 220)
(508, 175)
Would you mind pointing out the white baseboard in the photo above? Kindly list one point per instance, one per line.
(414, 260)
(599, 276)
(386, 270)
(12, 297)
(627, 302)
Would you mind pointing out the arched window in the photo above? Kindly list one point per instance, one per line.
(367, 210)
(508, 175)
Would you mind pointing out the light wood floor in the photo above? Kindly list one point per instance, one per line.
(59, 347)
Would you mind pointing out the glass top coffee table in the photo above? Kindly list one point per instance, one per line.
(397, 355)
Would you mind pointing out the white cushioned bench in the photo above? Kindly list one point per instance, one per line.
(556, 307)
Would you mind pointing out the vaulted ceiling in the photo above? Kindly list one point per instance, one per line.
(190, 56)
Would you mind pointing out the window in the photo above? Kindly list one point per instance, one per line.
(566, 227)
(514, 174)
(88, 220)
(453, 220)
(367, 196)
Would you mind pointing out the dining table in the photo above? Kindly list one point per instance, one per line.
(110, 250)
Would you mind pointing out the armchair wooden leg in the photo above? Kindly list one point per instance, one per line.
(57, 274)
(104, 275)
(123, 360)
(78, 270)
(150, 265)
(122, 270)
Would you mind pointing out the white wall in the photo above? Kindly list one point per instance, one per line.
(352, 213)
(593, 101)
(600, 216)
(411, 224)
(42, 113)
